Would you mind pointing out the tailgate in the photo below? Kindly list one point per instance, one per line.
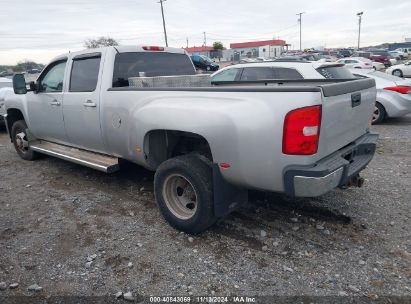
(347, 108)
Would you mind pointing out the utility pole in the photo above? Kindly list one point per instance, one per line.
(359, 28)
(205, 38)
(187, 41)
(164, 21)
(299, 20)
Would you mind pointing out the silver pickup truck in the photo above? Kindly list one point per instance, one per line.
(207, 143)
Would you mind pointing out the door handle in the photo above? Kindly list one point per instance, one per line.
(90, 103)
(55, 103)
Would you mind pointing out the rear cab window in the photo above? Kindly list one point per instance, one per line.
(149, 64)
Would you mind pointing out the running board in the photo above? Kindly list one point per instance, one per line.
(104, 163)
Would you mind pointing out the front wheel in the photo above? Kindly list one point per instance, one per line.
(20, 141)
(379, 113)
(183, 187)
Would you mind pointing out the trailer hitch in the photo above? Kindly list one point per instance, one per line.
(356, 181)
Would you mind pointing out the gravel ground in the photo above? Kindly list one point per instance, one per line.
(75, 231)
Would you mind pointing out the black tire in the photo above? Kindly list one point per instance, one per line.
(379, 113)
(400, 74)
(18, 128)
(199, 176)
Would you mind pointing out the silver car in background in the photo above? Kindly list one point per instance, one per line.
(393, 94)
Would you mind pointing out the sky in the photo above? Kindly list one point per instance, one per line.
(42, 29)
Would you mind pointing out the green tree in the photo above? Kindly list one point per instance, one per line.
(218, 46)
(100, 42)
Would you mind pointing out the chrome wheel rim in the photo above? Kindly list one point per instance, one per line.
(376, 114)
(21, 142)
(180, 196)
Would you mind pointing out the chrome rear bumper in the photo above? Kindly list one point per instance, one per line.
(336, 170)
(315, 186)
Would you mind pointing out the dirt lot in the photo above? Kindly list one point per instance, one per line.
(54, 216)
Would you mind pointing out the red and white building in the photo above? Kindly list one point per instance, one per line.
(237, 51)
(200, 50)
(264, 48)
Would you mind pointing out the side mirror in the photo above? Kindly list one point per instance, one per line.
(19, 84)
(33, 86)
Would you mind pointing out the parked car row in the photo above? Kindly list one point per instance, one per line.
(393, 93)
(361, 63)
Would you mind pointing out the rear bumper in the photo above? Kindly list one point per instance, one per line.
(395, 104)
(331, 172)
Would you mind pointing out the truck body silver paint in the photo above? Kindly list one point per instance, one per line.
(243, 129)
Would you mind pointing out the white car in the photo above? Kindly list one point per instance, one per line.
(5, 82)
(393, 94)
(4, 91)
(357, 63)
(407, 51)
(398, 55)
(393, 61)
(283, 70)
(6, 85)
(400, 70)
(378, 66)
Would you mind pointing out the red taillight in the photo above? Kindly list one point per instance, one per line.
(399, 89)
(302, 131)
(153, 48)
(225, 166)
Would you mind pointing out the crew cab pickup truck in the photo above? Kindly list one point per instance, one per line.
(207, 144)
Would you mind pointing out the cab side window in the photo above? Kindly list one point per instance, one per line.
(84, 74)
(52, 80)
